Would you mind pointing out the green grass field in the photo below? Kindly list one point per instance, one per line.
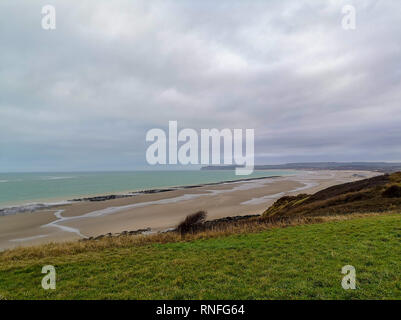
(301, 262)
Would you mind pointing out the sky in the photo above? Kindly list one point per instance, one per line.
(83, 96)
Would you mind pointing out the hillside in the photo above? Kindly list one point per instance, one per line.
(378, 194)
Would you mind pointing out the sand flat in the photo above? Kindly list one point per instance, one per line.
(164, 210)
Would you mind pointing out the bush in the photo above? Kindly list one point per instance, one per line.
(393, 191)
(192, 223)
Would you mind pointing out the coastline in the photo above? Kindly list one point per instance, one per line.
(40, 204)
(162, 209)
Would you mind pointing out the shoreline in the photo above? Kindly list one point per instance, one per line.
(41, 204)
(36, 206)
(156, 211)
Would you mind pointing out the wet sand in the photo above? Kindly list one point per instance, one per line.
(160, 211)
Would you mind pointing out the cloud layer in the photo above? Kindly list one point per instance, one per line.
(83, 96)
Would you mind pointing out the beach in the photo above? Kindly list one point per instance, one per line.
(161, 211)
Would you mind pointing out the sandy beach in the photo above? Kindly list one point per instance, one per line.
(161, 211)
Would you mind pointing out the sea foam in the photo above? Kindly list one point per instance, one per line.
(30, 207)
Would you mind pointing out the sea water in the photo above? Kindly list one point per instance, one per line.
(24, 188)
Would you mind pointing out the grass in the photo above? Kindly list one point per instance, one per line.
(297, 262)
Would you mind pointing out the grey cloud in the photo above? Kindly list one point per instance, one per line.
(83, 96)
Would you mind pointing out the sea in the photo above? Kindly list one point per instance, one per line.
(21, 189)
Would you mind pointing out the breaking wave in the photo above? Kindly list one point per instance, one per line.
(56, 178)
(31, 207)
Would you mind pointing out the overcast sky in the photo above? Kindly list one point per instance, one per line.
(83, 96)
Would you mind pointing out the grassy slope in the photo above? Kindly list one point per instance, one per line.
(302, 262)
(378, 194)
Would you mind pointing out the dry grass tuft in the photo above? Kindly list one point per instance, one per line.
(192, 223)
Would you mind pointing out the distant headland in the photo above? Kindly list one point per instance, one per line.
(370, 166)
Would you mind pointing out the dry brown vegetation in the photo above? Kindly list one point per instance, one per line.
(393, 191)
(192, 223)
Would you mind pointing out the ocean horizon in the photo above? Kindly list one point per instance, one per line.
(49, 187)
